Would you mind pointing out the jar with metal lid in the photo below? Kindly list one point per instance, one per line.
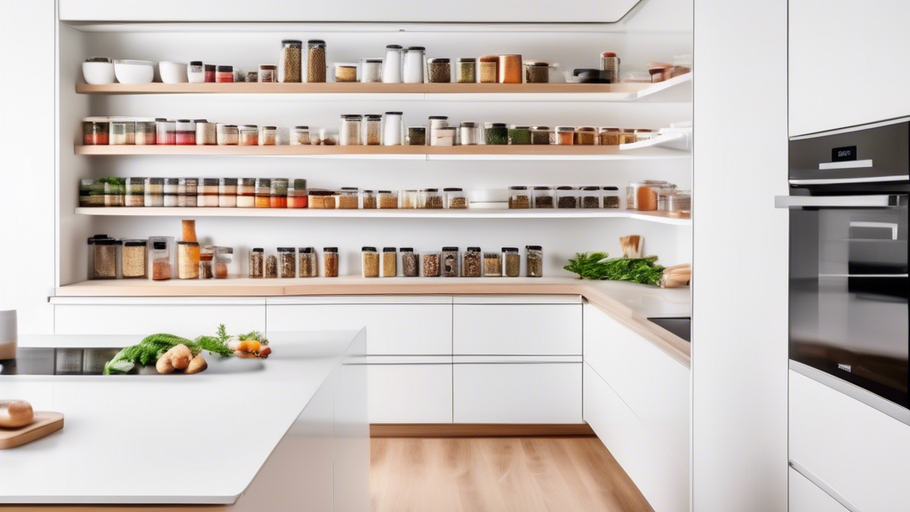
(439, 71)
(413, 65)
(96, 131)
(297, 193)
(307, 266)
(589, 197)
(540, 135)
(450, 261)
(146, 133)
(431, 199)
(134, 259)
(348, 198)
(469, 133)
(171, 186)
(206, 262)
(534, 260)
(207, 193)
(407, 199)
(187, 189)
(511, 262)
(227, 193)
(195, 72)
(186, 132)
(268, 135)
(187, 260)
(565, 135)
(114, 190)
(627, 136)
(509, 69)
(443, 136)
(315, 61)
(206, 133)
(495, 134)
(224, 75)
(263, 192)
(472, 262)
(289, 61)
(519, 198)
(389, 264)
(537, 72)
(369, 262)
(329, 262)
(368, 199)
(611, 197)
(287, 262)
(455, 198)
(246, 193)
(134, 192)
(467, 70)
(519, 135)
(431, 264)
(222, 258)
(268, 73)
(489, 69)
(370, 70)
(544, 197)
(103, 259)
(278, 193)
(586, 136)
(417, 136)
(91, 193)
(566, 197)
(392, 132)
(388, 199)
(154, 192)
(210, 73)
(161, 257)
(410, 265)
(391, 65)
(345, 72)
(609, 63)
(228, 135)
(257, 263)
(300, 136)
(249, 135)
(271, 267)
(372, 130)
(349, 134)
(610, 136)
(492, 264)
(122, 133)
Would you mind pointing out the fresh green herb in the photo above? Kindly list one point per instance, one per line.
(147, 351)
(597, 266)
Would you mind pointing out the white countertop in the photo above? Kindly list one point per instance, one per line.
(168, 439)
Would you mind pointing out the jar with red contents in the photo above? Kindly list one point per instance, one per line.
(297, 194)
(165, 132)
(278, 193)
(186, 132)
(95, 131)
(210, 72)
(225, 74)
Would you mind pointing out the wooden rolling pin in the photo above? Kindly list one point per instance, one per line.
(15, 413)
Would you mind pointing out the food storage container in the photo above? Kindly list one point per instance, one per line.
(391, 65)
(392, 132)
(98, 71)
(389, 262)
(489, 69)
(450, 261)
(349, 133)
(271, 267)
(540, 135)
(492, 264)
(91, 193)
(289, 61)
(509, 69)
(519, 135)
(609, 63)
(186, 192)
(413, 65)
(103, 257)
(210, 72)
(544, 197)
(122, 133)
(455, 198)
(369, 262)
(249, 135)
(410, 266)
(472, 262)
(644, 134)
(586, 136)
(206, 133)
(610, 136)
(680, 202)
(565, 135)
(171, 185)
(537, 72)
(321, 199)
(263, 192)
(134, 190)
(519, 198)
(224, 74)
(443, 136)
(187, 260)
(246, 193)
(268, 135)
(372, 130)
(642, 195)
(589, 197)
(252, 77)
(186, 132)
(439, 71)
(345, 72)
(431, 264)
(431, 199)
(627, 136)
(511, 262)
(161, 257)
(221, 261)
(368, 199)
(96, 131)
(114, 191)
(436, 122)
(566, 197)
(227, 135)
(371, 70)
(469, 133)
(195, 73)
(467, 70)
(417, 136)
(154, 192)
(611, 197)
(325, 138)
(134, 259)
(207, 192)
(682, 64)
(257, 263)
(495, 134)
(407, 199)
(287, 262)
(278, 193)
(315, 61)
(388, 199)
(534, 260)
(348, 198)
(330, 261)
(146, 132)
(297, 193)
(206, 262)
(300, 135)
(307, 266)
(268, 73)
(227, 192)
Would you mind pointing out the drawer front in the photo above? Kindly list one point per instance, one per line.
(518, 393)
(392, 329)
(654, 385)
(808, 497)
(410, 393)
(657, 473)
(534, 329)
(183, 320)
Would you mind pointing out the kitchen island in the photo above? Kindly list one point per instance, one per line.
(281, 432)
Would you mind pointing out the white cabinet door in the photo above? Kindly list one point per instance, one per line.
(392, 329)
(517, 393)
(410, 393)
(808, 497)
(519, 329)
(659, 476)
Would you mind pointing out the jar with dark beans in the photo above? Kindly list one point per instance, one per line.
(590, 197)
(450, 261)
(409, 262)
(472, 263)
(257, 263)
(544, 197)
(611, 198)
(431, 264)
(566, 197)
(271, 266)
(540, 135)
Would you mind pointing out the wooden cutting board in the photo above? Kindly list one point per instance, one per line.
(45, 423)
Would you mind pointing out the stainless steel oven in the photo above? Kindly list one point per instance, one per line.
(849, 286)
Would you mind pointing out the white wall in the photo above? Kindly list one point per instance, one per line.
(739, 351)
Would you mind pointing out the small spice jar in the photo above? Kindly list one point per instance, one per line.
(268, 135)
(431, 266)
(450, 261)
(349, 134)
(495, 134)
(160, 256)
(222, 257)
(289, 61)
(187, 260)
(146, 132)
(271, 267)
(509, 69)
(511, 262)
(186, 132)
(519, 135)
(133, 259)
(246, 193)
(249, 135)
(206, 263)
(589, 197)
(122, 133)
(252, 76)
(455, 198)
(103, 257)
(371, 70)
(227, 193)
(439, 71)
(91, 193)
(467, 70)
(372, 130)
(268, 73)
(388, 200)
(492, 264)
(225, 74)
(227, 135)
(627, 136)
(206, 133)
(534, 260)
(565, 135)
(472, 262)
(392, 132)
(389, 262)
(263, 192)
(586, 136)
(566, 197)
(489, 69)
(207, 193)
(278, 193)
(408, 199)
(195, 72)
(431, 199)
(410, 266)
(210, 73)
(308, 267)
(368, 200)
(321, 199)
(187, 189)
(537, 72)
(369, 262)
(611, 197)
(469, 133)
(519, 198)
(297, 193)
(171, 188)
(544, 197)
(540, 135)
(114, 191)
(345, 72)
(348, 198)
(609, 63)
(154, 192)
(300, 136)
(330, 261)
(413, 65)
(417, 136)
(609, 136)
(165, 132)
(134, 192)
(257, 263)
(95, 131)
(315, 61)
(287, 262)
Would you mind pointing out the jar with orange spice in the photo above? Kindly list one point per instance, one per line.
(565, 135)
(509, 69)
(297, 193)
(263, 192)
(279, 193)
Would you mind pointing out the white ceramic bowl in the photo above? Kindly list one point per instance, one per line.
(172, 72)
(98, 73)
(134, 71)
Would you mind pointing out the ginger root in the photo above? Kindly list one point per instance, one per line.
(177, 358)
(197, 365)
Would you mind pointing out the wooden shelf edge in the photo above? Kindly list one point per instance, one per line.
(480, 430)
(623, 90)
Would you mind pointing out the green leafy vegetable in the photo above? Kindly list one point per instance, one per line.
(597, 266)
(147, 351)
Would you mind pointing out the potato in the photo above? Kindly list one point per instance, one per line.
(15, 413)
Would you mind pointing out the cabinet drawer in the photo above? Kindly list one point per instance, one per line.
(518, 393)
(392, 329)
(808, 497)
(187, 320)
(410, 393)
(533, 329)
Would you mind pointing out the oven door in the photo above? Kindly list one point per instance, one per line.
(849, 289)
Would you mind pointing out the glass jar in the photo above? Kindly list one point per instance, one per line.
(287, 262)
(330, 261)
(472, 262)
(348, 199)
(537, 72)
(228, 135)
(644, 134)
(297, 193)
(439, 71)
(268, 73)
(321, 199)
(195, 72)
(300, 136)
(565, 135)
(257, 263)
(544, 197)
(519, 198)
(370, 70)
(455, 198)
(410, 266)
(609, 63)
(610, 136)
(103, 258)
(207, 193)
(187, 189)
(206, 133)
(161, 257)
(495, 134)
(417, 136)
(114, 191)
(134, 259)
(540, 135)
(268, 135)
(391, 65)
(249, 135)
(271, 267)
(134, 190)
(389, 262)
(372, 130)
(589, 197)
(450, 261)
(251, 77)
(388, 200)
(345, 72)
(308, 267)
(315, 61)
(489, 69)
(246, 193)
(431, 199)
(227, 193)
(443, 136)
(611, 198)
(146, 133)
(206, 263)
(278, 193)
(469, 133)
(186, 132)
(586, 136)
(467, 70)
(91, 193)
(642, 195)
(431, 264)
(436, 122)
(413, 65)
(187, 260)
(680, 202)
(519, 135)
(289, 61)
(210, 72)
(224, 75)
(325, 138)
(392, 129)
(349, 134)
(627, 136)
(368, 200)
(369, 262)
(222, 257)
(263, 192)
(407, 199)
(171, 186)
(534, 260)
(154, 192)
(492, 264)
(95, 131)
(122, 133)
(509, 70)
(566, 197)
(511, 262)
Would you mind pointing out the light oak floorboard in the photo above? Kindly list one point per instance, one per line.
(504, 474)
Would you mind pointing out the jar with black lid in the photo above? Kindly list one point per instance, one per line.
(589, 197)
(389, 262)
(315, 61)
(439, 71)
(289, 61)
(308, 267)
(257, 263)
(224, 74)
(566, 197)
(534, 263)
(519, 198)
(544, 197)
(450, 261)
(287, 262)
(369, 262)
(495, 134)
(540, 135)
(472, 262)
(611, 197)
(330, 261)
(103, 259)
(410, 262)
(467, 70)
(511, 262)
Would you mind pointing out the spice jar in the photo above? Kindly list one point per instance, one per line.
(146, 133)
(271, 267)
(160, 256)
(268, 135)
(287, 262)
(611, 197)
(467, 70)
(409, 262)
(268, 73)
(489, 69)
(413, 65)
(171, 185)
(511, 262)
(187, 189)
(134, 259)
(544, 197)
(439, 71)
(644, 134)
(103, 257)
(347, 199)
(431, 267)
(417, 136)
(642, 195)
(495, 134)
(330, 261)
(289, 60)
(210, 72)
(609, 63)
(95, 131)
(154, 192)
(297, 193)
(472, 262)
(345, 72)
(206, 133)
(389, 262)
(307, 267)
(443, 136)
(300, 136)
(455, 198)
(590, 197)
(315, 61)
(249, 135)
(492, 264)
(227, 192)
(627, 136)
(519, 199)
(91, 193)
(207, 193)
(251, 77)
(565, 135)
(368, 200)
(391, 65)
(534, 260)
(519, 135)
(186, 132)
(566, 197)
(372, 130)
(206, 263)
(680, 202)
(263, 192)
(509, 69)
(187, 260)
(450, 261)
(610, 136)
(663, 198)
(540, 135)
(431, 199)
(392, 129)
(371, 70)
(195, 72)
(388, 200)
(586, 136)
(321, 199)
(278, 193)
(114, 191)
(469, 133)
(369, 262)
(537, 72)
(224, 74)
(246, 193)
(135, 192)
(257, 263)
(122, 133)
(407, 199)
(349, 134)
(228, 135)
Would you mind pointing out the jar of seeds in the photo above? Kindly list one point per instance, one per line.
(307, 266)
(409, 262)
(537, 72)
(566, 197)
(472, 262)
(389, 262)
(431, 265)
(289, 61)
(372, 130)
(519, 198)
(271, 267)
(511, 262)
(590, 197)
(330, 261)
(609, 62)
(417, 136)
(544, 197)
(439, 71)
(103, 257)
(349, 134)
(495, 134)
(369, 262)
(450, 261)
(315, 61)
(431, 199)
(467, 70)
(455, 198)
(227, 135)
(134, 259)
(368, 199)
(492, 264)
(586, 136)
(488, 69)
(611, 197)
(540, 135)
(287, 262)
(609, 136)
(534, 263)
(519, 135)
(388, 200)
(257, 263)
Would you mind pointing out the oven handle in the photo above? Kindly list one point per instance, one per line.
(883, 201)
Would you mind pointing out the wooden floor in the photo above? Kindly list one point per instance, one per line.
(521, 474)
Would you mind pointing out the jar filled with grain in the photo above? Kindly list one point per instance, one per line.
(566, 197)
(187, 260)
(455, 198)
(371, 70)
(537, 72)
(492, 264)
(544, 197)
(246, 193)
(187, 189)
(589, 197)
(467, 70)
(300, 136)
(91, 193)
(586, 136)
(154, 192)
(207, 193)
(519, 198)
(472, 262)
(268, 135)
(372, 130)
(289, 61)
(417, 136)
(431, 199)
(565, 135)
(389, 262)
(115, 190)
(495, 134)
(469, 133)
(609, 63)
(540, 135)
(321, 199)
(227, 135)
(103, 258)
(388, 199)
(431, 266)
(206, 133)
(609, 136)
(268, 72)
(450, 261)
(287, 262)
(345, 72)
(407, 199)
(161, 257)
(297, 193)
(519, 135)
(308, 267)
(611, 197)
(410, 266)
(439, 70)
(330, 261)
(368, 200)
(263, 192)
(315, 61)
(271, 267)
(369, 260)
(534, 263)
(348, 198)
(227, 193)
(350, 131)
(511, 262)
(488, 69)
(627, 136)
(278, 193)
